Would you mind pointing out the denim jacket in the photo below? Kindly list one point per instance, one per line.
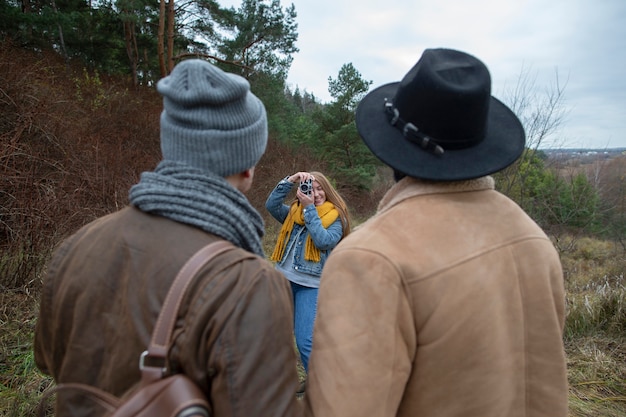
(324, 239)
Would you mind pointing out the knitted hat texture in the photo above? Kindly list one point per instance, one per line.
(210, 119)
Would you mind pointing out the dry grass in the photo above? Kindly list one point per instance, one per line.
(20, 382)
(595, 333)
(597, 376)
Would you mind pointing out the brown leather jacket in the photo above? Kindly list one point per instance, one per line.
(449, 302)
(102, 294)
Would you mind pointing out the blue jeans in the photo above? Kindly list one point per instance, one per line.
(305, 308)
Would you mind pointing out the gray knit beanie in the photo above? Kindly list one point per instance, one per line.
(210, 119)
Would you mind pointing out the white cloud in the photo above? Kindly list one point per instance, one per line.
(584, 40)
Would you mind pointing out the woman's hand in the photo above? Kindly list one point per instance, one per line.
(305, 199)
(299, 177)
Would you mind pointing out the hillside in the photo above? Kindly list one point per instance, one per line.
(73, 142)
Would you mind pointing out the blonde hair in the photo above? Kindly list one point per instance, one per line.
(333, 196)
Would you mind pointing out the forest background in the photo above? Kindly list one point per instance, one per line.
(79, 122)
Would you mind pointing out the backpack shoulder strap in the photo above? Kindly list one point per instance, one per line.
(164, 327)
(161, 335)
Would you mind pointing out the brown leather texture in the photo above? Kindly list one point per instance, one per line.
(156, 396)
(102, 294)
(167, 397)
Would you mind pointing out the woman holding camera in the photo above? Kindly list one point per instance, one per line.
(312, 225)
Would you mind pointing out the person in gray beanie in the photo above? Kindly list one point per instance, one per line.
(105, 285)
(211, 120)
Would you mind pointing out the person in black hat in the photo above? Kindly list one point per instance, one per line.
(449, 301)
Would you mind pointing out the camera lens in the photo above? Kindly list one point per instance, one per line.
(306, 186)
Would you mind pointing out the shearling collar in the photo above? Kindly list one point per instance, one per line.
(409, 187)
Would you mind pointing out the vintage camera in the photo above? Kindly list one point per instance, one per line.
(306, 186)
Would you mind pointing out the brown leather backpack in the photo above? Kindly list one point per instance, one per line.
(158, 394)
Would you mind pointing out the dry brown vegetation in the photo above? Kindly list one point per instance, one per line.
(73, 142)
(63, 161)
(596, 325)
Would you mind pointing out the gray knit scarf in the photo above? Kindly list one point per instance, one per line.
(187, 195)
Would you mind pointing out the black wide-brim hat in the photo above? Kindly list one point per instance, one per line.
(441, 122)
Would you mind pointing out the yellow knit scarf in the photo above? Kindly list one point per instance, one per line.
(328, 214)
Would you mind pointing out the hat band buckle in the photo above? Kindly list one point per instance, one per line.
(411, 132)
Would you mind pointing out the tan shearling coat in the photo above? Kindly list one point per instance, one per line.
(449, 302)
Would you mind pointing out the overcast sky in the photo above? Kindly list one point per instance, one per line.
(584, 41)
